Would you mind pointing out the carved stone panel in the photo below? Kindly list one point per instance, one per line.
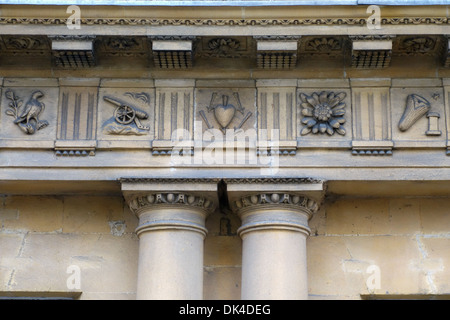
(412, 45)
(277, 113)
(126, 113)
(418, 116)
(324, 115)
(330, 46)
(225, 47)
(372, 133)
(28, 111)
(24, 45)
(225, 117)
(225, 108)
(123, 46)
(77, 117)
(174, 114)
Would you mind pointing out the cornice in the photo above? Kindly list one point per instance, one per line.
(221, 3)
(148, 194)
(293, 15)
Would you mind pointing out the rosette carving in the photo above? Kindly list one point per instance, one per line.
(323, 113)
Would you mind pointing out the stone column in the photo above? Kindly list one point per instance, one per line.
(274, 232)
(171, 233)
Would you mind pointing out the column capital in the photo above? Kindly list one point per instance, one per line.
(275, 200)
(170, 203)
(196, 192)
(143, 202)
(275, 203)
(305, 193)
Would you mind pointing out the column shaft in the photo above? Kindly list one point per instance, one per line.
(274, 265)
(274, 232)
(170, 265)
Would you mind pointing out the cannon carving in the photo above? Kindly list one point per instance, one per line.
(127, 119)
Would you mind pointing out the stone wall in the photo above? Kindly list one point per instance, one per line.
(42, 237)
(406, 238)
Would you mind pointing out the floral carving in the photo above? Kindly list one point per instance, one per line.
(223, 47)
(323, 113)
(323, 45)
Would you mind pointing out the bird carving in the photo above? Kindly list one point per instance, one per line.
(28, 120)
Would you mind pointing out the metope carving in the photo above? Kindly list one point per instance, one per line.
(330, 46)
(27, 117)
(323, 113)
(416, 107)
(126, 119)
(225, 112)
(417, 45)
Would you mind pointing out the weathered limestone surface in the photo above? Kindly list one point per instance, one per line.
(407, 238)
(236, 106)
(399, 235)
(94, 234)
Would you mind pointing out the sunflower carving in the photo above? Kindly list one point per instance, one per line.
(323, 113)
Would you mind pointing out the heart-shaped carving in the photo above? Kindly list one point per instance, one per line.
(224, 113)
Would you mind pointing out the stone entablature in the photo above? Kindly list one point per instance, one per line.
(264, 37)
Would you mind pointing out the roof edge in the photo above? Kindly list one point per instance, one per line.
(229, 3)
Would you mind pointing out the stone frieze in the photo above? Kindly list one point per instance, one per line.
(367, 117)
